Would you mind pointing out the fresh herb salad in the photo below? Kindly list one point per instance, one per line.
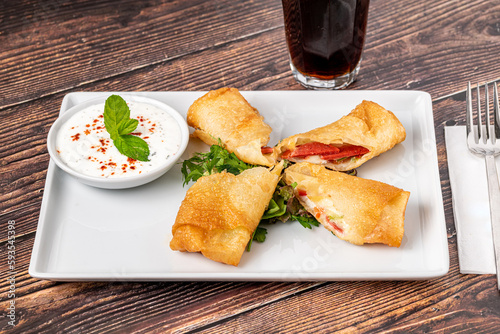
(284, 206)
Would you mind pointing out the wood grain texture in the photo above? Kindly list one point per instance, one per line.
(50, 48)
(95, 44)
(140, 307)
(342, 307)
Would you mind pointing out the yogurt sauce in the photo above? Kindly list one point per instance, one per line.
(84, 144)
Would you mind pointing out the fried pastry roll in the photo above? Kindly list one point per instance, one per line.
(221, 211)
(366, 132)
(354, 209)
(225, 114)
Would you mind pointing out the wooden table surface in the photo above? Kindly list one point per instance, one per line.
(51, 48)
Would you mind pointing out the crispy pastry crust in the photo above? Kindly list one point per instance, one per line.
(368, 125)
(224, 113)
(221, 211)
(366, 211)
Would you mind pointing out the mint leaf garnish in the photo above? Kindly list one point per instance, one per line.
(116, 111)
(127, 126)
(132, 146)
(119, 126)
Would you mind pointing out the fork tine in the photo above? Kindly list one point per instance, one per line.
(487, 112)
(496, 113)
(469, 118)
(480, 128)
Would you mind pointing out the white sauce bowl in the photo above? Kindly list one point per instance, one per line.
(126, 181)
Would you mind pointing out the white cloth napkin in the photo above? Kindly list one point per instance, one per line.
(470, 204)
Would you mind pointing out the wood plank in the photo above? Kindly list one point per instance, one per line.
(426, 47)
(108, 38)
(24, 283)
(142, 307)
(399, 45)
(367, 307)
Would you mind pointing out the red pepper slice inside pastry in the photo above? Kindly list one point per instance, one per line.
(324, 151)
(364, 133)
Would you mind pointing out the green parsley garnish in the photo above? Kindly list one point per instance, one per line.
(119, 126)
(259, 235)
(218, 159)
(307, 221)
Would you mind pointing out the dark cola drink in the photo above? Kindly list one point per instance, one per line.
(325, 40)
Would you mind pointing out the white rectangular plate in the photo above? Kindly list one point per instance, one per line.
(89, 234)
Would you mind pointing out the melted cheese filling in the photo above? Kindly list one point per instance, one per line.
(316, 159)
(323, 210)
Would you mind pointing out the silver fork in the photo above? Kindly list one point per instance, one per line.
(484, 140)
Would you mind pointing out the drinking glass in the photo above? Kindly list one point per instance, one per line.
(325, 40)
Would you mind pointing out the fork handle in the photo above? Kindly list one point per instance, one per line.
(494, 194)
